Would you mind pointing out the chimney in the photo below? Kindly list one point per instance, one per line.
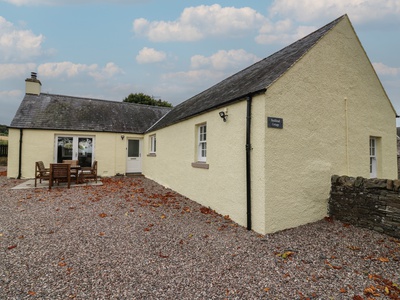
(33, 85)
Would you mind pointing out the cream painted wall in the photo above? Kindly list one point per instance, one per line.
(223, 186)
(109, 150)
(318, 124)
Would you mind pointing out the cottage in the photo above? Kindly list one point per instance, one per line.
(260, 146)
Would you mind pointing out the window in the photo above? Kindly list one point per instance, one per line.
(153, 144)
(75, 148)
(202, 143)
(372, 158)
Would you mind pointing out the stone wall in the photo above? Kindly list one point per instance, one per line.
(369, 203)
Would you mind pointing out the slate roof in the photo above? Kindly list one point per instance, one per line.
(57, 112)
(254, 79)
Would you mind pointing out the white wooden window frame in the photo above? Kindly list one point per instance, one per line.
(373, 157)
(75, 149)
(202, 143)
(153, 144)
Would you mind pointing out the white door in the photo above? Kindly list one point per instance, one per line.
(134, 159)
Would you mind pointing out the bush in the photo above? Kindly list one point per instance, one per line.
(3, 161)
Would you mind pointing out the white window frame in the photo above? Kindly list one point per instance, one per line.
(202, 143)
(75, 149)
(153, 144)
(373, 170)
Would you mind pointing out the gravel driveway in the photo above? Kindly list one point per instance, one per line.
(133, 239)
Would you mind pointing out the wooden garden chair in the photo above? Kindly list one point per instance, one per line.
(60, 173)
(41, 172)
(89, 172)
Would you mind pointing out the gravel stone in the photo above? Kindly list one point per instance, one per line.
(134, 239)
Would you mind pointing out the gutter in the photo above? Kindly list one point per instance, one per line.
(248, 161)
(20, 153)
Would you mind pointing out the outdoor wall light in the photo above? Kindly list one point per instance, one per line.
(223, 115)
(122, 137)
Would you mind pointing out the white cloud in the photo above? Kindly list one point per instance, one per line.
(223, 60)
(360, 11)
(194, 76)
(70, 70)
(17, 44)
(383, 69)
(150, 55)
(16, 70)
(109, 71)
(64, 68)
(11, 93)
(282, 32)
(195, 23)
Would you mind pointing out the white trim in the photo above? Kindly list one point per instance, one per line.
(153, 143)
(372, 157)
(202, 143)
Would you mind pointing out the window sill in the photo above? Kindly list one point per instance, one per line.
(152, 155)
(200, 165)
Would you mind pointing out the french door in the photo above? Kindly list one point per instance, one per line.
(75, 148)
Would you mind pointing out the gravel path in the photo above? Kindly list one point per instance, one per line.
(133, 239)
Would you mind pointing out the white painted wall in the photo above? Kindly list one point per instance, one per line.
(223, 186)
(324, 134)
(110, 150)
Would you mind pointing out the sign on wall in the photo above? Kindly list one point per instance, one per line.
(275, 122)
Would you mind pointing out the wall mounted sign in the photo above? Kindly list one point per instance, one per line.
(275, 122)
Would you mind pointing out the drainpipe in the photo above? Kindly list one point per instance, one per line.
(20, 154)
(248, 162)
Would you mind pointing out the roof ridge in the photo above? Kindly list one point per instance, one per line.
(105, 100)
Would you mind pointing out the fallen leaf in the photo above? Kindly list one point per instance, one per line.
(163, 216)
(101, 233)
(371, 290)
(354, 248)
(32, 293)
(227, 217)
(266, 289)
(342, 290)
(102, 215)
(287, 254)
(62, 264)
(357, 297)
(162, 256)
(12, 247)
(332, 266)
(205, 210)
(383, 259)
(387, 291)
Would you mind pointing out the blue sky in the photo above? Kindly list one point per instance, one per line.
(170, 49)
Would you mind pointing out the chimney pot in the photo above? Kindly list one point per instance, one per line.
(33, 85)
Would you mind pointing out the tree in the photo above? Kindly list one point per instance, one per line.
(3, 130)
(141, 98)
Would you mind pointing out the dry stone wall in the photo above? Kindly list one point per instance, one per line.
(369, 203)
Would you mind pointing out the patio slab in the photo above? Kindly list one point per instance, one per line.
(30, 184)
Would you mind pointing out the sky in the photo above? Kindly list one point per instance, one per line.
(171, 50)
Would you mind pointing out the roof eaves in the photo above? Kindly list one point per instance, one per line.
(228, 102)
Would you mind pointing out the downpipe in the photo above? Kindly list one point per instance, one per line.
(248, 161)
